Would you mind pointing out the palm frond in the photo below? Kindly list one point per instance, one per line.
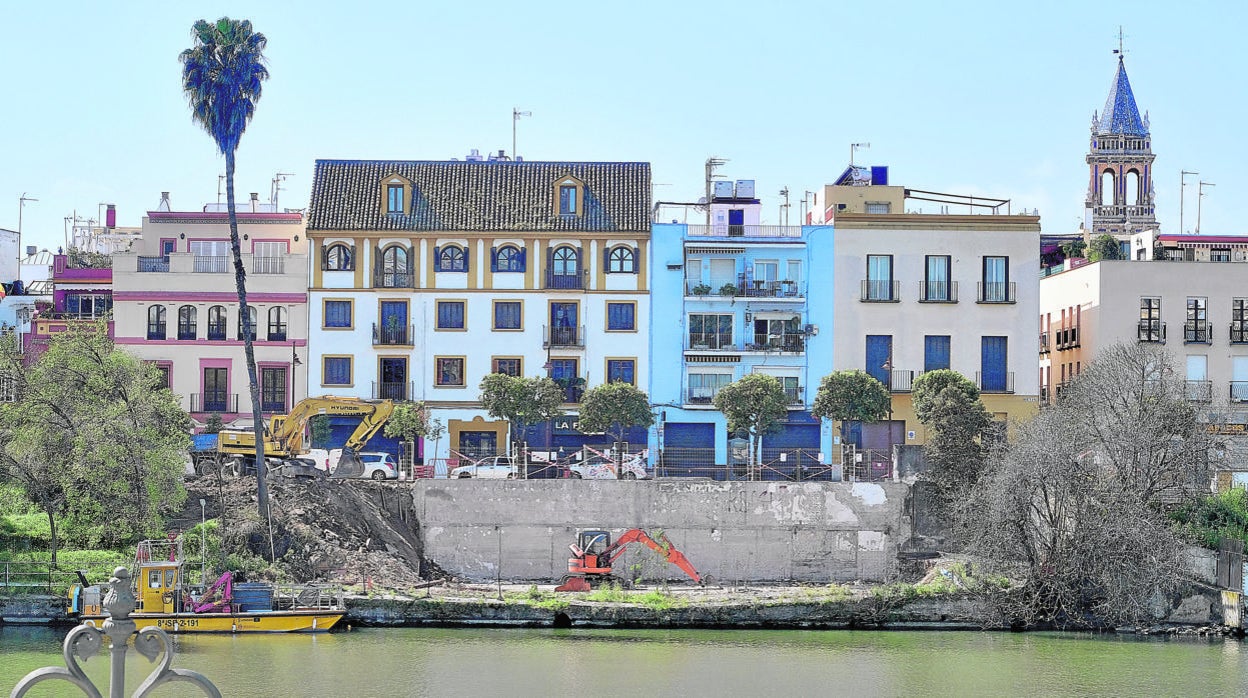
(222, 77)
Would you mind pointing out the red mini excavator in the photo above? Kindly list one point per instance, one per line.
(593, 552)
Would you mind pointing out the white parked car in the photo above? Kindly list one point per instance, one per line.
(632, 467)
(379, 466)
(498, 468)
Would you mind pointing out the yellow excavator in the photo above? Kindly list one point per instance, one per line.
(283, 436)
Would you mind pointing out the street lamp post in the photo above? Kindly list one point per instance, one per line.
(203, 544)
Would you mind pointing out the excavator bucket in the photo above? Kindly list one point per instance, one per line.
(349, 465)
(574, 584)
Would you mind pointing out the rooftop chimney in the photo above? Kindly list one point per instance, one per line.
(110, 217)
(164, 202)
(255, 202)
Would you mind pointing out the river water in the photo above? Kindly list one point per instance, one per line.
(587, 663)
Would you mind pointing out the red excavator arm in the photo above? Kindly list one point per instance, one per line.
(662, 546)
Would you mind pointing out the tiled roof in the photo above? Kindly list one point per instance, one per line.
(479, 196)
(1120, 114)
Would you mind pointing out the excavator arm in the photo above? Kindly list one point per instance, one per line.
(376, 416)
(662, 546)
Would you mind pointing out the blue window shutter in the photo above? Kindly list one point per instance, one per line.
(493, 259)
(636, 260)
(523, 254)
(879, 352)
(351, 262)
(437, 258)
(411, 267)
(606, 259)
(993, 363)
(465, 259)
(935, 352)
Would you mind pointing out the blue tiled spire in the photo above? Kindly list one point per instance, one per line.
(1120, 114)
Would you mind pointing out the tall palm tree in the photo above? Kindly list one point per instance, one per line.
(221, 76)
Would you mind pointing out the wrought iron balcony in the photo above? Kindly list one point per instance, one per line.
(1239, 391)
(1044, 343)
(996, 292)
(790, 341)
(900, 380)
(711, 341)
(154, 264)
(995, 383)
(572, 281)
(268, 265)
(394, 279)
(1197, 332)
(748, 231)
(214, 401)
(563, 336)
(1238, 333)
(392, 334)
(156, 331)
(1199, 391)
(880, 291)
(393, 390)
(211, 265)
(794, 395)
(938, 292)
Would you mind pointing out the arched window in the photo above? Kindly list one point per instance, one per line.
(452, 258)
(1107, 188)
(338, 258)
(564, 272)
(509, 258)
(1133, 188)
(251, 312)
(187, 322)
(156, 322)
(216, 323)
(621, 260)
(277, 324)
(395, 270)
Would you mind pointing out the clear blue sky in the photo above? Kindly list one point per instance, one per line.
(982, 98)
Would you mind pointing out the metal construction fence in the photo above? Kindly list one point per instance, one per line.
(18, 578)
(775, 464)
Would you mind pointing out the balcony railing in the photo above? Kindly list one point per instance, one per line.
(763, 288)
(790, 341)
(155, 264)
(900, 380)
(995, 383)
(1044, 343)
(1197, 332)
(1044, 395)
(748, 231)
(699, 396)
(216, 333)
(794, 395)
(393, 390)
(996, 292)
(268, 265)
(1239, 391)
(880, 291)
(938, 292)
(214, 401)
(711, 341)
(1238, 333)
(563, 336)
(389, 279)
(1199, 391)
(1112, 211)
(210, 265)
(393, 335)
(1151, 331)
(156, 330)
(573, 281)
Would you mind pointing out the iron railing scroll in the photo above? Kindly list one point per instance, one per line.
(86, 640)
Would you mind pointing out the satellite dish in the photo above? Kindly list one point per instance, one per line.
(701, 200)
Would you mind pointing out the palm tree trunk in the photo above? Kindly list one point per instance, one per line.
(240, 280)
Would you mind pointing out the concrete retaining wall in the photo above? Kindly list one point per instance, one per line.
(750, 531)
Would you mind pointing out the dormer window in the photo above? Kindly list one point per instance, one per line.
(569, 197)
(395, 195)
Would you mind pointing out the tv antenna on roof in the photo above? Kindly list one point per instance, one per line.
(853, 147)
(515, 118)
(1120, 51)
(277, 187)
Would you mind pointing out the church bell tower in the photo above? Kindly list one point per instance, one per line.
(1120, 165)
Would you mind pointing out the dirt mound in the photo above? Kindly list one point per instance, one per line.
(338, 531)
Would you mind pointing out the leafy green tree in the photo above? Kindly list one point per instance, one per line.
(222, 73)
(214, 424)
(88, 439)
(319, 429)
(756, 404)
(407, 423)
(949, 405)
(854, 395)
(521, 401)
(1104, 247)
(1074, 248)
(614, 408)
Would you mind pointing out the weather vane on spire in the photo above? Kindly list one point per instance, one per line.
(1119, 51)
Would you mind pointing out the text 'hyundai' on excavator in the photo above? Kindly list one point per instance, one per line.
(593, 554)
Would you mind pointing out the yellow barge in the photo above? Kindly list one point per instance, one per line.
(166, 602)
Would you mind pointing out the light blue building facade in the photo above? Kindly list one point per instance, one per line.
(730, 298)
